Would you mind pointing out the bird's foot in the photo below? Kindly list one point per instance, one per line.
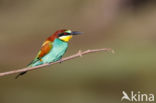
(60, 61)
(48, 63)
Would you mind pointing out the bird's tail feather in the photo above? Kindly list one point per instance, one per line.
(29, 65)
(20, 74)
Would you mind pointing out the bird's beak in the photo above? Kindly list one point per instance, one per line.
(76, 33)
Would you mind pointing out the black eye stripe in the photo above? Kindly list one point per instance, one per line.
(62, 34)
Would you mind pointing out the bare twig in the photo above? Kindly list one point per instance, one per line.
(79, 54)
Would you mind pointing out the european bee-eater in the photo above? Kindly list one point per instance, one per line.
(53, 48)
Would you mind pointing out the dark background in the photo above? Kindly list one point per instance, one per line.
(127, 26)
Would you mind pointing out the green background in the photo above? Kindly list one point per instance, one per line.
(127, 26)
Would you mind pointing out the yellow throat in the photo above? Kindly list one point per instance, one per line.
(66, 38)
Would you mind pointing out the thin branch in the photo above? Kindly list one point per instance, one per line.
(79, 54)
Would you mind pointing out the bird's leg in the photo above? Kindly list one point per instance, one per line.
(48, 63)
(60, 61)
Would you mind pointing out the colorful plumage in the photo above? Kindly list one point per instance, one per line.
(53, 48)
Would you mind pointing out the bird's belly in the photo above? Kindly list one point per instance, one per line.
(55, 54)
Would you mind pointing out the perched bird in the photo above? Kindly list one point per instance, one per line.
(53, 48)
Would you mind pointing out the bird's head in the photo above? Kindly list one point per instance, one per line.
(64, 35)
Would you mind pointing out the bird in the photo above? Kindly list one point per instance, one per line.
(52, 49)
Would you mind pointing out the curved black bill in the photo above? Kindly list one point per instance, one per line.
(76, 33)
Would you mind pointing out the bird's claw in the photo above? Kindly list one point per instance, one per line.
(48, 63)
(60, 61)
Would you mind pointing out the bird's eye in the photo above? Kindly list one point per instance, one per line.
(65, 33)
(62, 34)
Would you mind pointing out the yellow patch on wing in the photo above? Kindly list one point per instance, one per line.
(45, 48)
(47, 41)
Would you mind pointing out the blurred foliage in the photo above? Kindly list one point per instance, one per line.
(127, 26)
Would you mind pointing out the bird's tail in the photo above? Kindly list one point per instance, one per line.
(20, 74)
(29, 65)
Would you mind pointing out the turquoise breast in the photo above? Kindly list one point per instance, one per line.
(58, 49)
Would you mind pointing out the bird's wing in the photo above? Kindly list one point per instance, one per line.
(45, 48)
